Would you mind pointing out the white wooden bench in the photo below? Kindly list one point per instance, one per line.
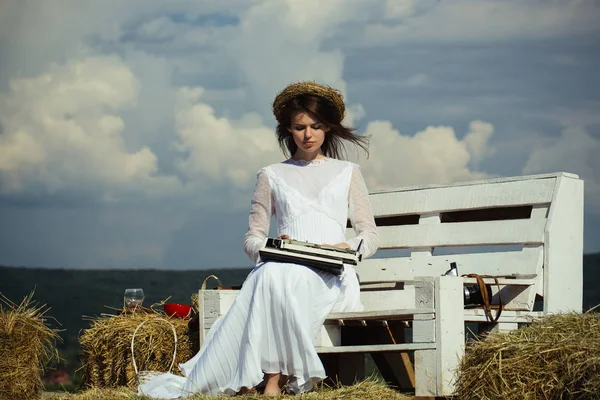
(527, 229)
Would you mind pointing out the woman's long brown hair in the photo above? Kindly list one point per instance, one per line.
(326, 113)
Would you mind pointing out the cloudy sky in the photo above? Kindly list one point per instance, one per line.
(131, 131)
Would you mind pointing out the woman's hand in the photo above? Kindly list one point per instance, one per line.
(284, 237)
(342, 245)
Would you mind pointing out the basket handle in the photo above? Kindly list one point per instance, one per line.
(133, 339)
(206, 281)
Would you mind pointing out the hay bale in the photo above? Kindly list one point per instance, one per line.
(106, 348)
(556, 357)
(366, 390)
(101, 394)
(27, 345)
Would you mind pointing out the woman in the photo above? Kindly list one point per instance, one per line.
(268, 332)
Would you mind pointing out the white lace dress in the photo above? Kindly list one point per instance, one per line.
(280, 309)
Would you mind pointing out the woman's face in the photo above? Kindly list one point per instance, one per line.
(308, 133)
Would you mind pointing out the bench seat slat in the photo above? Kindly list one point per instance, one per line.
(379, 314)
(376, 348)
(478, 315)
(505, 281)
(402, 269)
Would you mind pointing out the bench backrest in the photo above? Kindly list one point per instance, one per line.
(529, 227)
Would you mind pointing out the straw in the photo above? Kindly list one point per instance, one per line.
(365, 390)
(106, 348)
(27, 345)
(556, 357)
(308, 88)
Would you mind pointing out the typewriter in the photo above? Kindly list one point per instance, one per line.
(327, 258)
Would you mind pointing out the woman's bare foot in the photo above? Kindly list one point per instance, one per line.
(274, 382)
(272, 387)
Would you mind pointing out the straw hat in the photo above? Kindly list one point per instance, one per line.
(308, 88)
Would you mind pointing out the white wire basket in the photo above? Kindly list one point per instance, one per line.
(145, 376)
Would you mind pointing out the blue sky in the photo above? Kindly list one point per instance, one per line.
(131, 132)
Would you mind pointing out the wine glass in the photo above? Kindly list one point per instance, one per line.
(133, 298)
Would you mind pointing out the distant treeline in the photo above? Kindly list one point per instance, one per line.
(72, 294)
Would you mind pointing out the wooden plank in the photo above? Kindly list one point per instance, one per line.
(425, 373)
(563, 263)
(214, 304)
(426, 219)
(505, 281)
(403, 269)
(463, 234)
(539, 211)
(376, 348)
(478, 315)
(396, 368)
(526, 262)
(504, 327)
(384, 270)
(515, 298)
(201, 324)
(450, 198)
(329, 335)
(537, 253)
(478, 182)
(424, 294)
(379, 314)
(423, 331)
(449, 332)
(391, 299)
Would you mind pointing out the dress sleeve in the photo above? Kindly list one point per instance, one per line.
(361, 216)
(260, 217)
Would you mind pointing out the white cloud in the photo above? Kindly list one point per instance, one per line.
(576, 151)
(56, 31)
(434, 155)
(62, 131)
(275, 43)
(399, 9)
(476, 20)
(282, 41)
(217, 149)
(477, 140)
(117, 126)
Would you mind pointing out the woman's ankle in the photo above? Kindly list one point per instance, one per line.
(273, 384)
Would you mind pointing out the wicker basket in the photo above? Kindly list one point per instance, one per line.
(145, 376)
(219, 284)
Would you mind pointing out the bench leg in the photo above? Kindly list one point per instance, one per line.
(449, 331)
(424, 331)
(425, 373)
(435, 369)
